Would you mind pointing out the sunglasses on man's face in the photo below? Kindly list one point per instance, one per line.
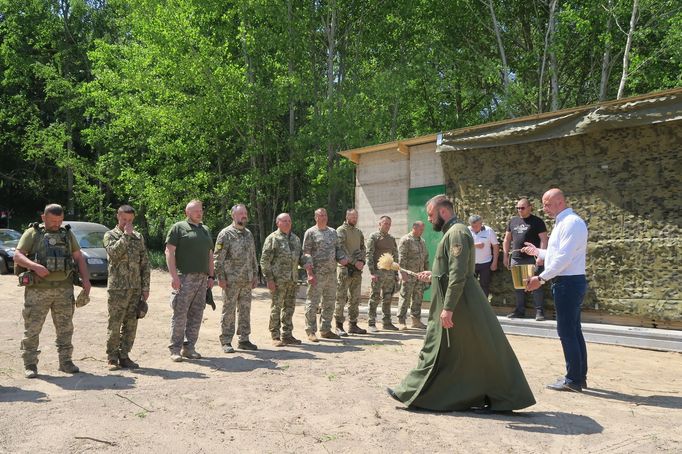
(521, 208)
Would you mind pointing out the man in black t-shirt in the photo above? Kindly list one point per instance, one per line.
(526, 227)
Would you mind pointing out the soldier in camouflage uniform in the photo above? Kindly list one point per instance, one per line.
(279, 262)
(413, 256)
(349, 277)
(48, 251)
(322, 250)
(128, 282)
(384, 282)
(237, 271)
(189, 256)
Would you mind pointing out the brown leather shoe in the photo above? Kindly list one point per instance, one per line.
(329, 335)
(278, 343)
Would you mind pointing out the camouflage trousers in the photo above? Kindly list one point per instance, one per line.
(122, 326)
(382, 291)
(324, 292)
(188, 306)
(347, 290)
(37, 303)
(236, 302)
(411, 295)
(282, 309)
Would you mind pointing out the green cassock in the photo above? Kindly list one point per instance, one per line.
(479, 364)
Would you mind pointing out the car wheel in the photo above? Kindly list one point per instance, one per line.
(3, 266)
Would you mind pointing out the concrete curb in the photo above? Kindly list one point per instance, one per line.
(626, 336)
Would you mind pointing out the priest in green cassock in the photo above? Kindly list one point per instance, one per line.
(466, 361)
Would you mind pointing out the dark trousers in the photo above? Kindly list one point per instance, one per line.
(569, 292)
(538, 295)
(484, 275)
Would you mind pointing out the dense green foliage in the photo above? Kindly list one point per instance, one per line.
(155, 102)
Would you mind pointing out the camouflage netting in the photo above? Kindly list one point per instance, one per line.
(619, 166)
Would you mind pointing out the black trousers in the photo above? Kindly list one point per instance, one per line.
(484, 275)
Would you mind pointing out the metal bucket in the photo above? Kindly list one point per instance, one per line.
(521, 274)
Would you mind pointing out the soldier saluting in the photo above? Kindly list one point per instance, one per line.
(48, 251)
(128, 282)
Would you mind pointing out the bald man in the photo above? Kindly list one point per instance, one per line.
(565, 267)
(189, 256)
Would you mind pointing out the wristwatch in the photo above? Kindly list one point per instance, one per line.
(542, 281)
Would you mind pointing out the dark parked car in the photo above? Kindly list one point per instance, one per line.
(90, 238)
(8, 243)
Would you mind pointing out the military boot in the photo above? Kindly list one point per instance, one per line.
(328, 335)
(372, 327)
(127, 363)
(388, 326)
(112, 364)
(417, 323)
(312, 337)
(353, 328)
(246, 345)
(340, 331)
(401, 324)
(290, 340)
(69, 367)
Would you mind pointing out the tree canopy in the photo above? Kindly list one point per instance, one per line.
(155, 102)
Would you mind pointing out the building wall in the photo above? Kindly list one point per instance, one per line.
(625, 183)
(383, 179)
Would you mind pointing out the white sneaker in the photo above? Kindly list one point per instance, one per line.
(176, 358)
(372, 329)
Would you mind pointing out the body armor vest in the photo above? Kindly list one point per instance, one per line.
(53, 249)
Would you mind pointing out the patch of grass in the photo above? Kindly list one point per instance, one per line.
(285, 367)
(157, 260)
(141, 415)
(327, 437)
(331, 377)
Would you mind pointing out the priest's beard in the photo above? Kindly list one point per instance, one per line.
(438, 223)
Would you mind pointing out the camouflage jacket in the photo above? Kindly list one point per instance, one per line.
(281, 256)
(235, 255)
(322, 249)
(377, 245)
(352, 242)
(413, 254)
(128, 260)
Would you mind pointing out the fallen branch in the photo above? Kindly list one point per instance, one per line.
(110, 443)
(136, 404)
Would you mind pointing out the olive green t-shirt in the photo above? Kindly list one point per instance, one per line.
(193, 244)
(26, 246)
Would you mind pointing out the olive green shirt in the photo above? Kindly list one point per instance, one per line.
(193, 243)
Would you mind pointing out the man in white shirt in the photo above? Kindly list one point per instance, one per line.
(565, 265)
(487, 250)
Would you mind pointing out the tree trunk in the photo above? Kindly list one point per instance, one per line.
(292, 115)
(549, 38)
(331, 29)
(503, 55)
(606, 58)
(628, 46)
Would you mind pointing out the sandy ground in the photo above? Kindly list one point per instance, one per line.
(326, 397)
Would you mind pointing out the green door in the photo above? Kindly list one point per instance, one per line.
(416, 211)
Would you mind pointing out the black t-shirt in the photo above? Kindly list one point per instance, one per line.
(525, 230)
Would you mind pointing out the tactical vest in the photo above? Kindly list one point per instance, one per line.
(53, 249)
(382, 246)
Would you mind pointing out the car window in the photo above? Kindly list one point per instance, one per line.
(9, 235)
(89, 239)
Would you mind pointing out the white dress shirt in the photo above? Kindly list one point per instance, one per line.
(567, 247)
